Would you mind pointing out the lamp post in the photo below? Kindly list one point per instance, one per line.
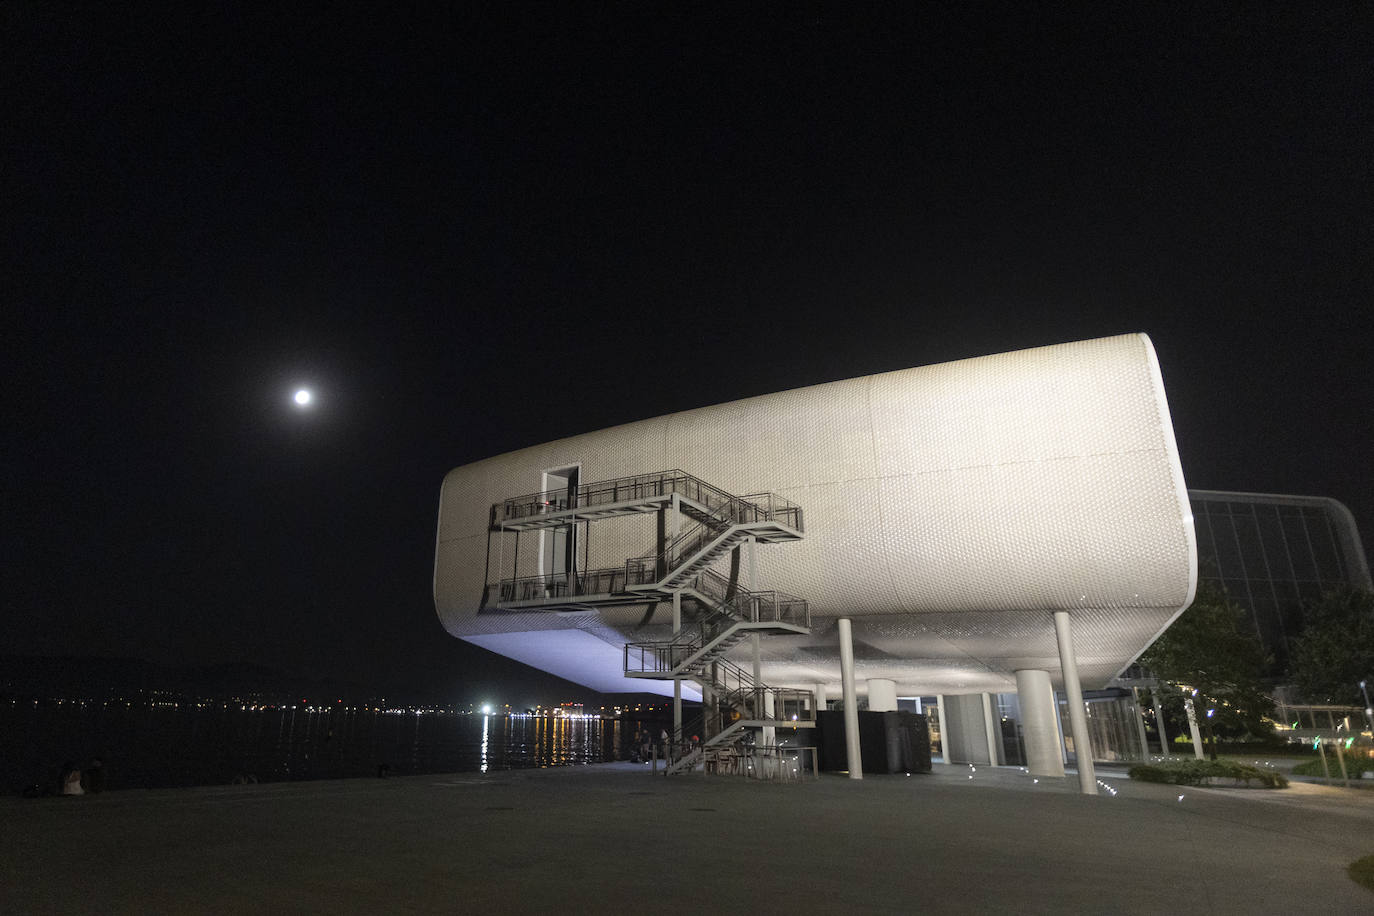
(1368, 707)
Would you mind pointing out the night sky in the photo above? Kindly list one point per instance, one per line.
(472, 230)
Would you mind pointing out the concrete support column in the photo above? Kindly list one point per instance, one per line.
(851, 700)
(1039, 723)
(677, 707)
(944, 726)
(757, 641)
(677, 628)
(991, 730)
(1073, 696)
(770, 734)
(751, 563)
(882, 695)
(1159, 723)
(1193, 729)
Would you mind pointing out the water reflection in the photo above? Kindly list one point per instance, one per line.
(155, 747)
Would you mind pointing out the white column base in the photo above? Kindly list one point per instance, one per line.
(1039, 725)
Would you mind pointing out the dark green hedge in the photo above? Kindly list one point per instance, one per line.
(1202, 772)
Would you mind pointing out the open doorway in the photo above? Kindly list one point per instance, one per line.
(558, 546)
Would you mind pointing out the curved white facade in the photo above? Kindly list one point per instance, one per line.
(949, 511)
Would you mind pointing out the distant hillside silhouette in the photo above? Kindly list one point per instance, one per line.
(26, 676)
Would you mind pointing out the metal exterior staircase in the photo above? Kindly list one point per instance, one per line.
(720, 523)
(677, 573)
(715, 613)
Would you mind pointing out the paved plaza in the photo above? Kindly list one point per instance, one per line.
(614, 839)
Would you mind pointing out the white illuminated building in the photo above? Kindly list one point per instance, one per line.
(1012, 523)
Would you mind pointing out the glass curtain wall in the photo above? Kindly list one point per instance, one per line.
(1272, 553)
(1008, 712)
(1112, 727)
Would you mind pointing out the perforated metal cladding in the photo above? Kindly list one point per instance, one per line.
(967, 651)
(1023, 482)
(843, 563)
(784, 442)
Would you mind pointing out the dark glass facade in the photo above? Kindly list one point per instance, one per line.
(1271, 553)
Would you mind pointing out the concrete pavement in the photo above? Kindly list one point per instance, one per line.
(613, 838)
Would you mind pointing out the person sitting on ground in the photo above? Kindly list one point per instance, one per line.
(71, 779)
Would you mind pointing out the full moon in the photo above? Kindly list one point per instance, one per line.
(303, 397)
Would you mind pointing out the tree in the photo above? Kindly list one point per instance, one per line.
(1206, 650)
(1336, 649)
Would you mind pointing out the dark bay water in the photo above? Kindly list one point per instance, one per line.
(158, 747)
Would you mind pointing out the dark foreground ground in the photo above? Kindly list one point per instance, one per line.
(613, 839)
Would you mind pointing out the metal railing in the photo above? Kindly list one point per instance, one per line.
(769, 605)
(1305, 721)
(777, 509)
(719, 615)
(775, 763)
(734, 603)
(788, 703)
(717, 608)
(699, 536)
(657, 657)
(721, 506)
(556, 585)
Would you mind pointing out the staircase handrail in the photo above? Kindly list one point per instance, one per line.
(605, 492)
(690, 726)
(777, 509)
(660, 567)
(666, 656)
(696, 537)
(709, 590)
(608, 581)
(641, 486)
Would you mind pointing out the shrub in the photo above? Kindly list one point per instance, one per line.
(1333, 768)
(1313, 768)
(1361, 871)
(1202, 772)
